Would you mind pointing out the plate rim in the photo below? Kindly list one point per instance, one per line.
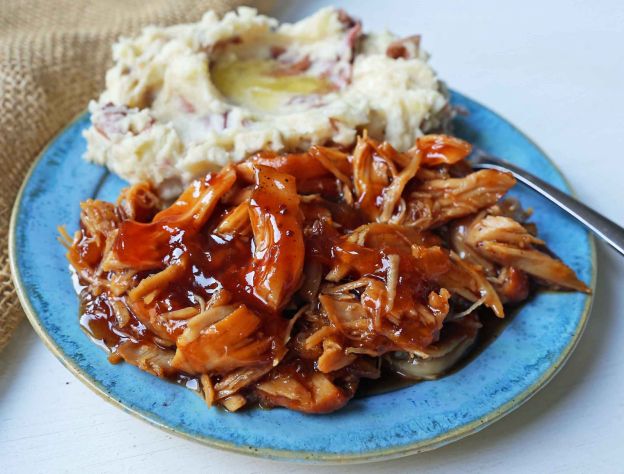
(287, 454)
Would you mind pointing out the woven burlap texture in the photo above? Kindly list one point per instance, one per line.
(53, 55)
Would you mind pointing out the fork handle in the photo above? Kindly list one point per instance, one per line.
(606, 229)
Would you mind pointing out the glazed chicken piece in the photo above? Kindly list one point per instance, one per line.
(221, 339)
(299, 387)
(460, 335)
(510, 283)
(276, 225)
(99, 224)
(442, 150)
(143, 246)
(437, 201)
(470, 282)
(502, 240)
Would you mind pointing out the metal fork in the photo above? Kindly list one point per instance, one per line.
(604, 228)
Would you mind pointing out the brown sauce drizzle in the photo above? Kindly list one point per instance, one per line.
(251, 290)
(390, 381)
(97, 321)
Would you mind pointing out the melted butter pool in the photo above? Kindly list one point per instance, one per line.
(257, 84)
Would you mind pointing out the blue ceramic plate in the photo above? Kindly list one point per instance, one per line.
(527, 354)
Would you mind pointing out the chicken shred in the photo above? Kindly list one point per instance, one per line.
(285, 279)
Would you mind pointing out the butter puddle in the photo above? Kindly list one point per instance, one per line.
(261, 85)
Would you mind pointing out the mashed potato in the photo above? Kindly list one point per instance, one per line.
(184, 100)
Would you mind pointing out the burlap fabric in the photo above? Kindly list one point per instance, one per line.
(53, 55)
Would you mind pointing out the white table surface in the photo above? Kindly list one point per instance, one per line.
(555, 69)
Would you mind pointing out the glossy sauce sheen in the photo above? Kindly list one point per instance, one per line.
(282, 280)
(391, 380)
(99, 324)
(217, 262)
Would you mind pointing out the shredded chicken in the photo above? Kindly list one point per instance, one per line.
(502, 240)
(285, 279)
(438, 201)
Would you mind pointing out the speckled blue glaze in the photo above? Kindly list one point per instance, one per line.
(413, 419)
